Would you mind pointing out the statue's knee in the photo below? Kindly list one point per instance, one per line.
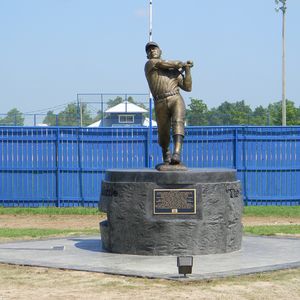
(178, 127)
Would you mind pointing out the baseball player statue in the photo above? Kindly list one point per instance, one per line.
(165, 79)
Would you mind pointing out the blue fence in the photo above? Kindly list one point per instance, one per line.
(64, 166)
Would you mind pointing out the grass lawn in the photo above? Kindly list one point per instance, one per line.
(49, 211)
(16, 233)
(272, 229)
(272, 211)
(257, 211)
(24, 233)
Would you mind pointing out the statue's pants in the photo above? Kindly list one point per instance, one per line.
(169, 112)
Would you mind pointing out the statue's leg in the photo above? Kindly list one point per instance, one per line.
(164, 127)
(178, 119)
(178, 141)
(166, 155)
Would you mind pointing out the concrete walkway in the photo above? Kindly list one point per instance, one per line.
(258, 254)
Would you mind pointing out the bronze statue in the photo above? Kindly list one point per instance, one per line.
(165, 78)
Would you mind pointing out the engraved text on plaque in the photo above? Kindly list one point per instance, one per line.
(174, 201)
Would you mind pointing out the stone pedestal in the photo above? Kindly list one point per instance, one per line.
(171, 213)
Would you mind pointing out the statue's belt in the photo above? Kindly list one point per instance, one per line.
(165, 95)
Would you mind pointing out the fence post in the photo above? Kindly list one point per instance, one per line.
(150, 137)
(244, 167)
(57, 162)
(235, 154)
(238, 164)
(80, 169)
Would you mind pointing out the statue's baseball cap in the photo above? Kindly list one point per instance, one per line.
(151, 44)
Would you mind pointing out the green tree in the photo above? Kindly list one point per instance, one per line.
(131, 100)
(298, 115)
(113, 102)
(50, 118)
(13, 118)
(197, 114)
(275, 113)
(260, 116)
(227, 113)
(215, 118)
(292, 113)
(70, 116)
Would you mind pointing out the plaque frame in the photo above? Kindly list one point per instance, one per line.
(174, 211)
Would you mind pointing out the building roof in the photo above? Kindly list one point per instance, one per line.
(126, 107)
(146, 123)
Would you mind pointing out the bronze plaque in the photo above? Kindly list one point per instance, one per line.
(174, 201)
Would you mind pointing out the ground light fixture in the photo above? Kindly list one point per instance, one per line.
(185, 265)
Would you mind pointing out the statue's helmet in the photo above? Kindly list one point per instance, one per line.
(150, 44)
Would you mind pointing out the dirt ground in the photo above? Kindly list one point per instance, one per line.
(21, 282)
(50, 221)
(92, 221)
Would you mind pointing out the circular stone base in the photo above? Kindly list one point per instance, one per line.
(171, 213)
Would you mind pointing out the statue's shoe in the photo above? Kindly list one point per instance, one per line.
(175, 159)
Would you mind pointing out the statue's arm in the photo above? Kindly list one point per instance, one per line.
(186, 82)
(169, 64)
(156, 64)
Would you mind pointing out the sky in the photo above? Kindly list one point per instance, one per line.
(51, 50)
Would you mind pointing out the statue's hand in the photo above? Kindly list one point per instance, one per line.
(189, 64)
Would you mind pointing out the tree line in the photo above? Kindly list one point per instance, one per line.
(76, 113)
(239, 113)
(198, 114)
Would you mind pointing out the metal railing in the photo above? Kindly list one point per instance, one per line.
(64, 166)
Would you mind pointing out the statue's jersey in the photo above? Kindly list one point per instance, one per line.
(162, 81)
